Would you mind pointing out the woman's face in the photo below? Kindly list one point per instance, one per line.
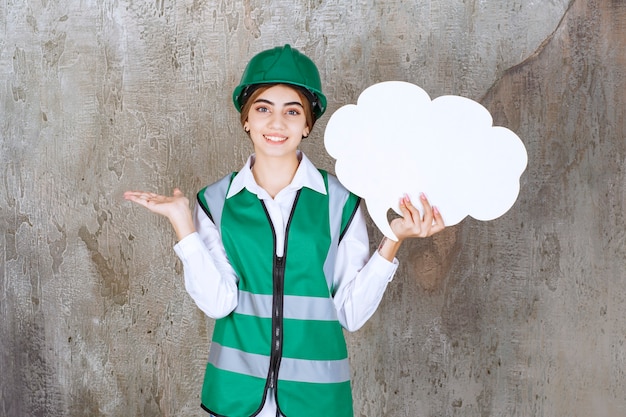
(276, 121)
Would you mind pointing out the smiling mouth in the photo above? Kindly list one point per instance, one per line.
(275, 139)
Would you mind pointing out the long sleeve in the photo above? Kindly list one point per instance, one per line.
(209, 278)
(360, 279)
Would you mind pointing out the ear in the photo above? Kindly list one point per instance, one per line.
(305, 132)
(246, 128)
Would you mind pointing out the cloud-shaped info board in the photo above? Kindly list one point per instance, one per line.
(397, 141)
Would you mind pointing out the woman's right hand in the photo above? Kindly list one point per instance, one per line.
(175, 208)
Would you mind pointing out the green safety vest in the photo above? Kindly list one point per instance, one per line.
(284, 333)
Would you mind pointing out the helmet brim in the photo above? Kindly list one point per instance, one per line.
(243, 91)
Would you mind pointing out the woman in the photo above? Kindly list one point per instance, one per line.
(278, 254)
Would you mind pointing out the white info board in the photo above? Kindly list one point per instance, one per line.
(397, 141)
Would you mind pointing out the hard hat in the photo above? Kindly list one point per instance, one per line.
(282, 65)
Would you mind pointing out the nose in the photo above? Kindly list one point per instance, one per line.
(277, 120)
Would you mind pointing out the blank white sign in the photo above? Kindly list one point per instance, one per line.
(397, 141)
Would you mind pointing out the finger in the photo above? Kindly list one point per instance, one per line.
(412, 218)
(428, 210)
(405, 210)
(439, 223)
(438, 217)
(415, 212)
(130, 194)
(139, 200)
(139, 195)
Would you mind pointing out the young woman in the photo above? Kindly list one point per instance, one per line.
(278, 254)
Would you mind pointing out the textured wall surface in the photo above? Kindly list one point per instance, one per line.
(521, 316)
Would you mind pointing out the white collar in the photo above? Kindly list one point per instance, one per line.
(306, 176)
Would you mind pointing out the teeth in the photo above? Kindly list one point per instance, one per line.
(275, 138)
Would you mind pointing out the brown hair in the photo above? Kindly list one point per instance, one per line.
(259, 89)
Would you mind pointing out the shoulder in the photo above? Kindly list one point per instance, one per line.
(340, 196)
(214, 194)
(335, 186)
(219, 184)
(333, 181)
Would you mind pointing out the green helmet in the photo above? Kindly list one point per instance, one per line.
(282, 65)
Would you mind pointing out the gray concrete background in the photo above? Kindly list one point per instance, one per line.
(521, 316)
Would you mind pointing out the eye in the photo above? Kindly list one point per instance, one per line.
(293, 112)
(262, 109)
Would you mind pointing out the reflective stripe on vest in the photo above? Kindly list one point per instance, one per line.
(300, 370)
(296, 307)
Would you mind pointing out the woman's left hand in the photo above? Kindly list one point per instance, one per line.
(413, 224)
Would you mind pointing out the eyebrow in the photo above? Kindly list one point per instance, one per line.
(291, 103)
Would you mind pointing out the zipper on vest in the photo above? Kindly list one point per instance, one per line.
(277, 318)
(278, 278)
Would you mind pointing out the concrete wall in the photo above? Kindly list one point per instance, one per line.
(521, 316)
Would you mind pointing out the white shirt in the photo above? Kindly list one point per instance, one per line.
(360, 280)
